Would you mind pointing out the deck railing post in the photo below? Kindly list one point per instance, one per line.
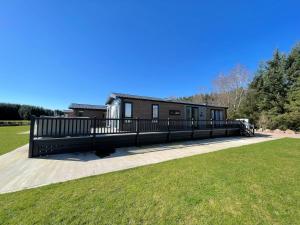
(122, 124)
(193, 128)
(94, 127)
(211, 127)
(31, 136)
(137, 130)
(168, 136)
(60, 125)
(94, 133)
(242, 128)
(226, 127)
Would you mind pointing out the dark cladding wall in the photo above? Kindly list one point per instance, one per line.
(143, 109)
(99, 114)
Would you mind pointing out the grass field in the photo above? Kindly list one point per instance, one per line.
(10, 138)
(254, 184)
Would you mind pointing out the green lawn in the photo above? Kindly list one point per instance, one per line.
(254, 184)
(10, 138)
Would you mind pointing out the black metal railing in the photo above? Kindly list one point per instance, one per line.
(55, 127)
(46, 129)
(247, 128)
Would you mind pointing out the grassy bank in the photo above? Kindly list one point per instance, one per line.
(255, 184)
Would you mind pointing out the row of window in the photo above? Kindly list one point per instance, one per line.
(128, 110)
(191, 112)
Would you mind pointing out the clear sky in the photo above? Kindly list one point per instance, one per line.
(53, 53)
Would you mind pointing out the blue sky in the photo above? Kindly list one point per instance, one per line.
(53, 53)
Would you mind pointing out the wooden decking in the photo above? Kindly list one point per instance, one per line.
(54, 145)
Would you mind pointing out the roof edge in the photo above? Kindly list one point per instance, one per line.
(113, 96)
(87, 106)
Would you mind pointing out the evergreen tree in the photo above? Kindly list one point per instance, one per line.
(249, 108)
(292, 116)
(293, 66)
(274, 86)
(273, 97)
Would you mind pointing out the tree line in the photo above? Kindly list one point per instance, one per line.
(24, 112)
(270, 98)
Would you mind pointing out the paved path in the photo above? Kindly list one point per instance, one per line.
(18, 172)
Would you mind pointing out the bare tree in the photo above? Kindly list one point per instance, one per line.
(230, 88)
(201, 97)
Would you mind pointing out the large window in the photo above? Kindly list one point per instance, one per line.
(217, 114)
(80, 113)
(128, 109)
(188, 113)
(155, 111)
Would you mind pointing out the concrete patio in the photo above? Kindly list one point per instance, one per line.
(18, 172)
